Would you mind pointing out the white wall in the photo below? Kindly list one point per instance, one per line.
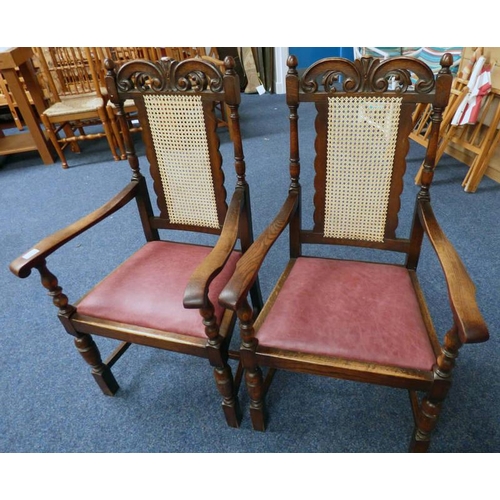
(280, 68)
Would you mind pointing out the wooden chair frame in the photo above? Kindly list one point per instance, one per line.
(363, 78)
(120, 56)
(478, 140)
(8, 99)
(72, 77)
(136, 80)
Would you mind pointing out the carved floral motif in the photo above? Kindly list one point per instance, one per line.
(368, 74)
(168, 74)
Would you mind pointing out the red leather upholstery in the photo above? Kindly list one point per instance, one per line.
(354, 310)
(148, 289)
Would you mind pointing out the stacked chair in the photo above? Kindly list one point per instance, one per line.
(478, 138)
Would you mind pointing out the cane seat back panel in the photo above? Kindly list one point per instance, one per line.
(362, 125)
(361, 144)
(183, 158)
(176, 106)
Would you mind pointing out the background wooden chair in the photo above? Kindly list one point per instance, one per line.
(209, 54)
(121, 55)
(479, 139)
(6, 98)
(341, 317)
(77, 98)
(141, 301)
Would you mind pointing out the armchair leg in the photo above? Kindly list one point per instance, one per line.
(255, 387)
(427, 415)
(427, 420)
(101, 373)
(418, 445)
(230, 403)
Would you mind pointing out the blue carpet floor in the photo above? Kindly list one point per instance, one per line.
(168, 403)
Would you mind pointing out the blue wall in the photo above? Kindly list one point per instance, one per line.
(308, 55)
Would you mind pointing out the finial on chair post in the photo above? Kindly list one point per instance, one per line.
(232, 101)
(229, 64)
(446, 62)
(111, 85)
(110, 65)
(292, 99)
(292, 63)
(443, 87)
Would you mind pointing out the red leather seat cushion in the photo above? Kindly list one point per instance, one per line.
(148, 289)
(352, 310)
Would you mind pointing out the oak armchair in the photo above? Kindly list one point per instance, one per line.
(165, 294)
(352, 319)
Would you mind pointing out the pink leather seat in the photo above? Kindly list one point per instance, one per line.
(373, 310)
(148, 289)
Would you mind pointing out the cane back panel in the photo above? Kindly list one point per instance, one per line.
(176, 108)
(363, 122)
(361, 144)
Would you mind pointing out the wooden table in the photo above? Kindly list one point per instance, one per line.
(12, 60)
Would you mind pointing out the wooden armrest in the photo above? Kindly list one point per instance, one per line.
(248, 266)
(196, 293)
(461, 289)
(23, 265)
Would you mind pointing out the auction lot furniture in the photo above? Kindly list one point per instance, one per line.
(364, 321)
(165, 295)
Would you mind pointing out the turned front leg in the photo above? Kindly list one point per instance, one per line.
(217, 355)
(253, 373)
(84, 342)
(230, 403)
(430, 407)
(101, 373)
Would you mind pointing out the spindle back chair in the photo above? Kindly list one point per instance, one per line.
(71, 76)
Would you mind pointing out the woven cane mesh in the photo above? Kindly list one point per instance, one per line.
(180, 141)
(361, 142)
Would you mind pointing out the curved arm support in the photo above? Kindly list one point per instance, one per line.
(34, 257)
(461, 290)
(235, 292)
(196, 293)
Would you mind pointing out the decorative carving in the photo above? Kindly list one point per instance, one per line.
(168, 74)
(368, 74)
